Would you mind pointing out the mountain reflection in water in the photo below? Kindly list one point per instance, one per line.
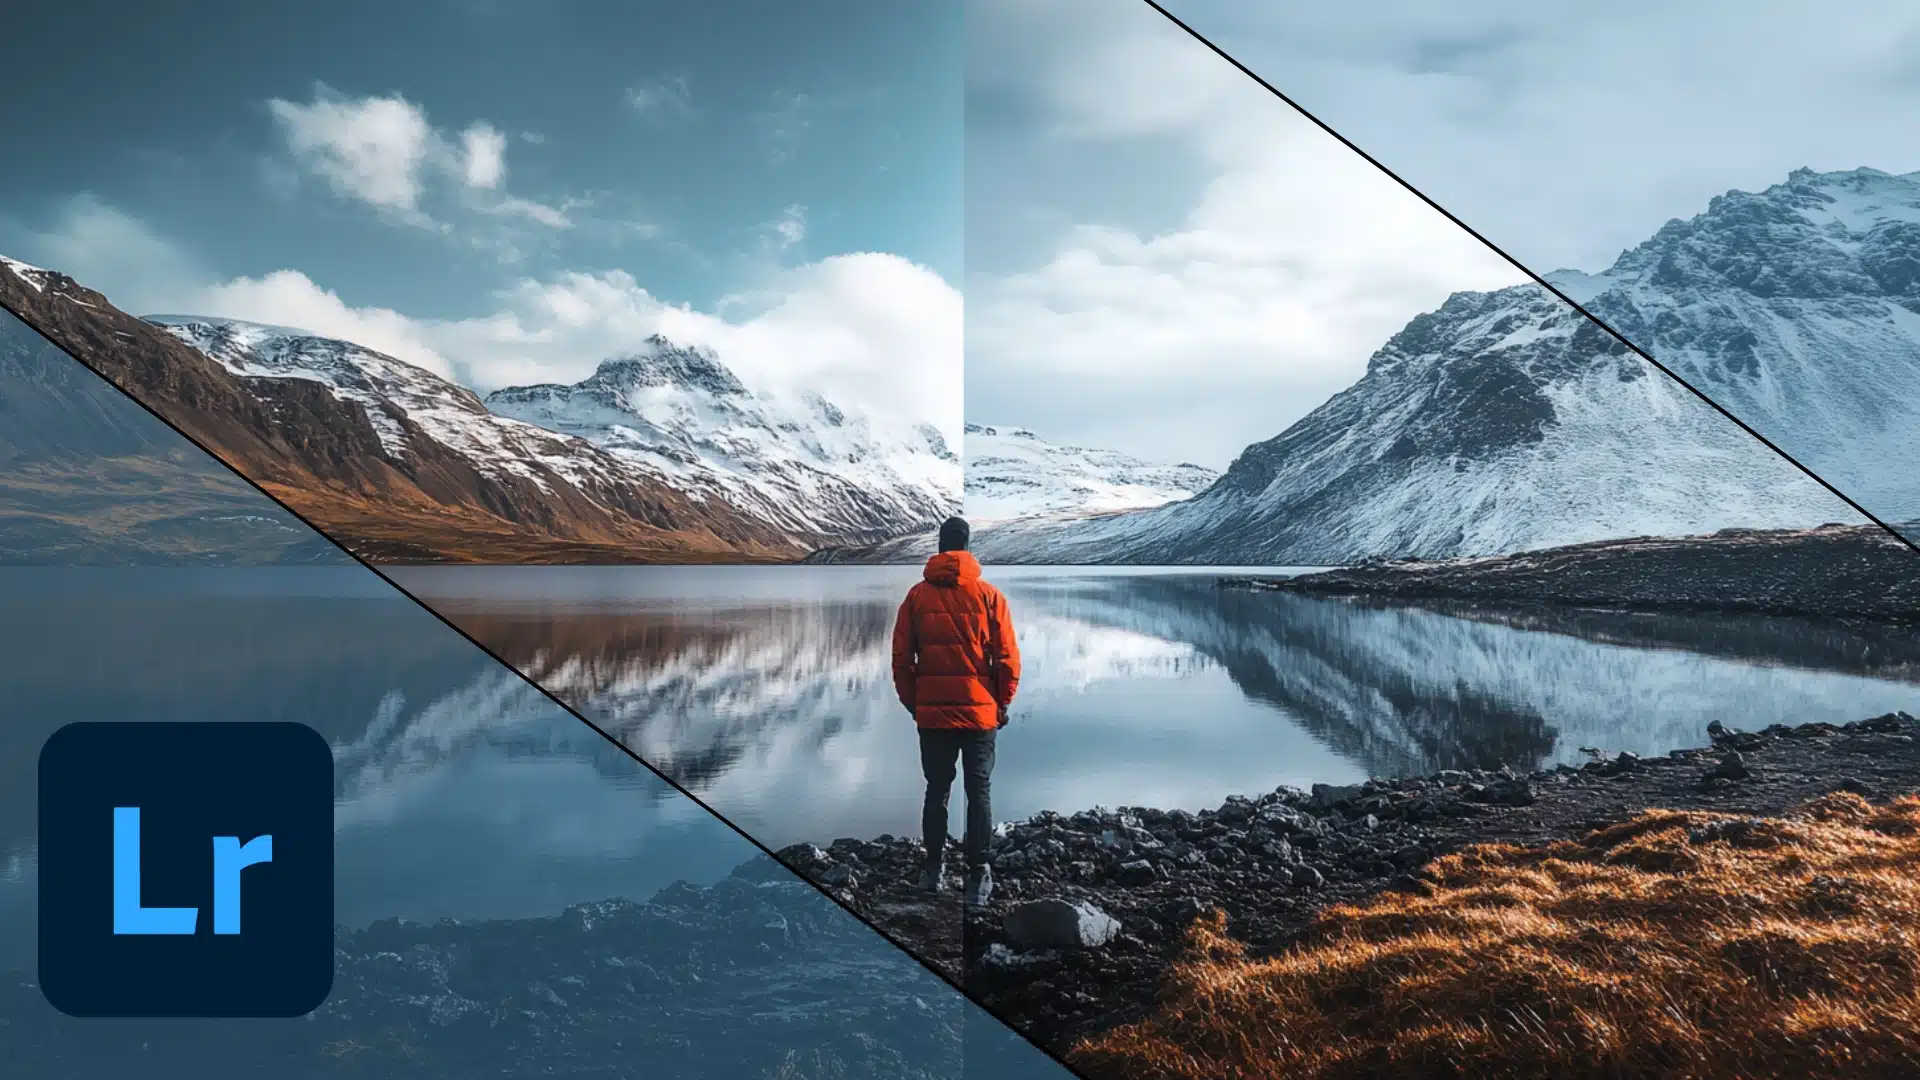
(767, 689)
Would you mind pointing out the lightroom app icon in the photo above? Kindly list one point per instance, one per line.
(186, 869)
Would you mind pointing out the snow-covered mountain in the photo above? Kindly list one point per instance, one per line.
(815, 470)
(667, 417)
(1013, 473)
(1507, 421)
(393, 391)
(1797, 309)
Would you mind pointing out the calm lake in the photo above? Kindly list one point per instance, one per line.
(461, 793)
(766, 690)
(464, 793)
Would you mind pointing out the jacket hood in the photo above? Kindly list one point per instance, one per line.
(950, 568)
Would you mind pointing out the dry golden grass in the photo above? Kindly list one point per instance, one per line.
(1674, 945)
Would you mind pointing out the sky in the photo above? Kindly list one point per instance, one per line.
(507, 192)
(1157, 255)
(1163, 258)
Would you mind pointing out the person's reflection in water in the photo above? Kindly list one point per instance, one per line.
(956, 667)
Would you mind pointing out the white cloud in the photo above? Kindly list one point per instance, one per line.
(870, 330)
(662, 98)
(1292, 263)
(384, 152)
(290, 298)
(1238, 266)
(486, 156)
(540, 212)
(373, 149)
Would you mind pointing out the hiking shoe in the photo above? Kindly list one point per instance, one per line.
(930, 879)
(979, 886)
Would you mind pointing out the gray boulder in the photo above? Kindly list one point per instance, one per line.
(1328, 796)
(1060, 924)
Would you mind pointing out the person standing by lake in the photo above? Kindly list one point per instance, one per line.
(956, 667)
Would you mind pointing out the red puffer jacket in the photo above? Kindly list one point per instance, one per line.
(955, 661)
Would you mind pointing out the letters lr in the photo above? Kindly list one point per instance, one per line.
(230, 857)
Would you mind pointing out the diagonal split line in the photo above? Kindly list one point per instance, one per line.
(576, 714)
(1541, 281)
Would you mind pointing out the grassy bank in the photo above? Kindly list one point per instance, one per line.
(1674, 944)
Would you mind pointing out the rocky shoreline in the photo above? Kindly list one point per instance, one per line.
(1835, 571)
(1091, 908)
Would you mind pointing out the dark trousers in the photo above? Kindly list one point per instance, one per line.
(939, 747)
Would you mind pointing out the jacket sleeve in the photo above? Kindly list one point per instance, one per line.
(905, 652)
(1006, 651)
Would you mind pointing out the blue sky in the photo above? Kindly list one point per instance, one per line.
(426, 167)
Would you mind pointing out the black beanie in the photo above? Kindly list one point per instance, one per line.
(954, 534)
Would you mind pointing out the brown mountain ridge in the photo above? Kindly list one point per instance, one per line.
(321, 456)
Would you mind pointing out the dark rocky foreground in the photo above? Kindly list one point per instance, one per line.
(1128, 882)
(757, 977)
(1835, 571)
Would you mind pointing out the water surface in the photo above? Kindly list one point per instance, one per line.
(460, 791)
(767, 690)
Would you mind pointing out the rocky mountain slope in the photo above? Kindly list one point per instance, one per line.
(87, 477)
(1506, 421)
(800, 463)
(409, 406)
(400, 465)
(1798, 309)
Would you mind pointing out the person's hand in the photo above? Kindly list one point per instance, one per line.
(1004, 717)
